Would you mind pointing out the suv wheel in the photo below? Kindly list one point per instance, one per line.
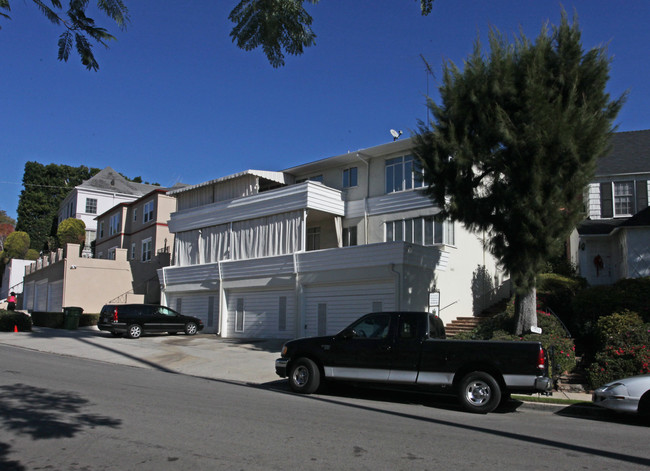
(190, 328)
(134, 331)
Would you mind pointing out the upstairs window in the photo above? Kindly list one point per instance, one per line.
(148, 212)
(91, 205)
(313, 238)
(349, 236)
(146, 250)
(403, 173)
(115, 224)
(350, 177)
(623, 198)
(101, 229)
(421, 231)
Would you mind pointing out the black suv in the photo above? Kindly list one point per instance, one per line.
(136, 319)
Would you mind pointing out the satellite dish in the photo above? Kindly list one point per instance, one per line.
(395, 134)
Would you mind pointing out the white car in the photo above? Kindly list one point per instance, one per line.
(625, 395)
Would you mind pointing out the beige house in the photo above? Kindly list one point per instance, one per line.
(64, 278)
(140, 228)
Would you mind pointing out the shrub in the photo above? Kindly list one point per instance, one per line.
(53, 320)
(626, 350)
(11, 319)
(553, 337)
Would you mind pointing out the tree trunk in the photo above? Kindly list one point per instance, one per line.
(526, 311)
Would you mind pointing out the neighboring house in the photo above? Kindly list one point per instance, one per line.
(307, 250)
(614, 242)
(141, 228)
(95, 196)
(66, 279)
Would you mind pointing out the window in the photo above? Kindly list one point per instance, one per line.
(148, 212)
(403, 173)
(146, 250)
(349, 236)
(111, 253)
(239, 315)
(91, 205)
(623, 198)
(421, 231)
(350, 177)
(374, 326)
(101, 229)
(132, 256)
(313, 238)
(115, 224)
(135, 214)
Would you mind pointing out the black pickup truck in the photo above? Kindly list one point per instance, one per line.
(409, 348)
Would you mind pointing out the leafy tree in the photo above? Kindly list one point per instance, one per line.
(16, 245)
(71, 231)
(277, 26)
(7, 226)
(514, 143)
(274, 25)
(79, 28)
(46, 186)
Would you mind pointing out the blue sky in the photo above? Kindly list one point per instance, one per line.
(176, 101)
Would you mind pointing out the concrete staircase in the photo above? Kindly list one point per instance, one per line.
(462, 324)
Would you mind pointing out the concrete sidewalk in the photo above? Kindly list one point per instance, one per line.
(249, 361)
(204, 355)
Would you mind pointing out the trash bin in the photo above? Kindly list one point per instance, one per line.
(71, 317)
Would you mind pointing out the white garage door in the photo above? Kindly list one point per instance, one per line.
(205, 307)
(55, 297)
(331, 308)
(261, 314)
(40, 296)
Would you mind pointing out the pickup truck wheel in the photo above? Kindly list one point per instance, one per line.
(479, 392)
(304, 376)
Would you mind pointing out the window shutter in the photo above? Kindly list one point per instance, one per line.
(606, 206)
(641, 195)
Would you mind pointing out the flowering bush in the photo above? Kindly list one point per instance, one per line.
(626, 349)
(553, 337)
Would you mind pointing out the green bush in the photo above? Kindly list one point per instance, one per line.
(553, 335)
(54, 320)
(87, 320)
(611, 330)
(626, 354)
(11, 319)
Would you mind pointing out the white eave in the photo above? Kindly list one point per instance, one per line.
(278, 177)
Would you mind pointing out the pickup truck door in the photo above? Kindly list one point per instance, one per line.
(363, 351)
(406, 348)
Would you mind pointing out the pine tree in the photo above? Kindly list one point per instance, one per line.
(514, 143)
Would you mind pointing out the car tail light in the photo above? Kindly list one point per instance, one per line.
(115, 315)
(541, 359)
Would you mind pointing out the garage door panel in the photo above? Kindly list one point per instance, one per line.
(205, 307)
(261, 314)
(341, 305)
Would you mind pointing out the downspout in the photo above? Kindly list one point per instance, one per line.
(365, 201)
(221, 296)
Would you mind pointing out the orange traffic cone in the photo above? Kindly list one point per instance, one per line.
(15, 328)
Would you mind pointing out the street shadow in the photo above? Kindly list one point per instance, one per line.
(44, 414)
(329, 397)
(598, 414)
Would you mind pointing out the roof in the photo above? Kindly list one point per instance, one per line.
(109, 180)
(278, 177)
(630, 153)
(607, 226)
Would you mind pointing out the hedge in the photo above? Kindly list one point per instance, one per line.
(11, 319)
